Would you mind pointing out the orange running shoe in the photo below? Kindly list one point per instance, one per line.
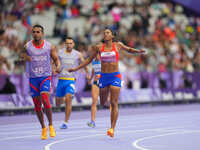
(52, 132)
(110, 132)
(44, 133)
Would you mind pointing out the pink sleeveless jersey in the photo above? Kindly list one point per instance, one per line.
(40, 65)
(109, 56)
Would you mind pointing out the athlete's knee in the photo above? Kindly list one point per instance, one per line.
(58, 102)
(94, 103)
(68, 100)
(102, 101)
(37, 104)
(114, 103)
(69, 97)
(45, 100)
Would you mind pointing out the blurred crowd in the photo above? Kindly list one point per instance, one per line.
(169, 34)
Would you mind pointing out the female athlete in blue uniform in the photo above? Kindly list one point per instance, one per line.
(96, 73)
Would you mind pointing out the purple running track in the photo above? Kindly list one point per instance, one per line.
(143, 128)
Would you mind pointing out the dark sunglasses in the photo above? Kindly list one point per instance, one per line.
(35, 31)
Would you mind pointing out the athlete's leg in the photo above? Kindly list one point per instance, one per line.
(35, 91)
(39, 112)
(104, 95)
(68, 109)
(60, 101)
(47, 106)
(95, 94)
(44, 93)
(48, 110)
(68, 106)
(60, 92)
(114, 95)
(38, 109)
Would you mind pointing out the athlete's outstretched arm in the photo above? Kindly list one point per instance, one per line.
(120, 45)
(93, 54)
(55, 58)
(86, 68)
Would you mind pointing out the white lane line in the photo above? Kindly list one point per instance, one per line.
(47, 147)
(136, 142)
(76, 138)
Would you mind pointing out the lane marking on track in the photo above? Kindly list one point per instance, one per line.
(47, 147)
(136, 142)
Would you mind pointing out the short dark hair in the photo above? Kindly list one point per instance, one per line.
(39, 26)
(69, 38)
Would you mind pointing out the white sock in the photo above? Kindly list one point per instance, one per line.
(66, 123)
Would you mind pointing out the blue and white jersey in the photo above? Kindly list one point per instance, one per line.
(68, 60)
(96, 65)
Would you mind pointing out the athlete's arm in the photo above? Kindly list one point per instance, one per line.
(120, 45)
(55, 58)
(24, 56)
(93, 54)
(86, 68)
(92, 75)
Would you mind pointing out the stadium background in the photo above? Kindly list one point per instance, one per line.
(168, 30)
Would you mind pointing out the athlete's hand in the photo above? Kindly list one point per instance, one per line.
(72, 70)
(88, 76)
(142, 51)
(57, 69)
(89, 80)
(25, 57)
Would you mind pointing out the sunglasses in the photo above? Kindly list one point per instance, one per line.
(35, 31)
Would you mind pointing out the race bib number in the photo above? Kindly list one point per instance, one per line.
(38, 70)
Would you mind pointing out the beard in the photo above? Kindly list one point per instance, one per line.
(69, 49)
(36, 39)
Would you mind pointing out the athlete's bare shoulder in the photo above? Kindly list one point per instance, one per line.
(119, 45)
